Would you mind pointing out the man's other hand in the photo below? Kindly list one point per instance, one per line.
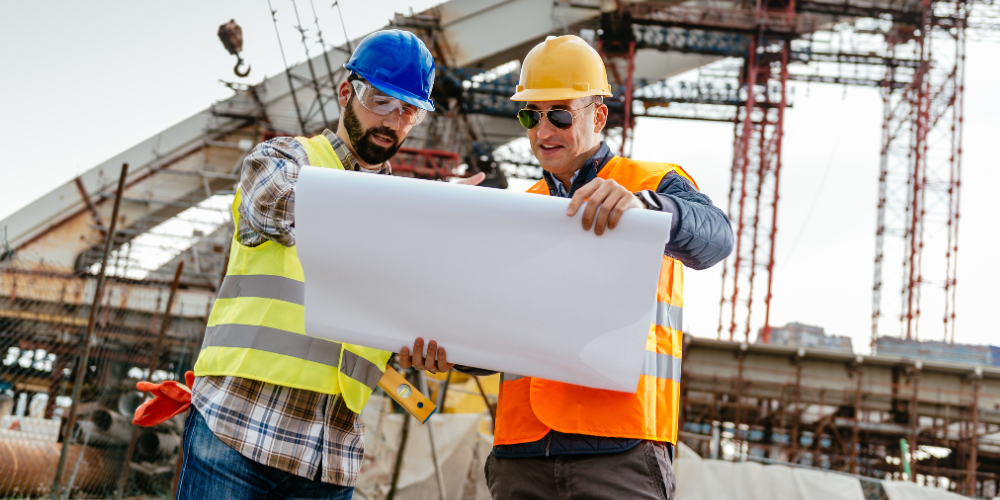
(606, 202)
(435, 362)
(473, 180)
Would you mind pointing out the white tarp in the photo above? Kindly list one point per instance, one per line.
(899, 490)
(699, 479)
(456, 436)
(450, 431)
(389, 259)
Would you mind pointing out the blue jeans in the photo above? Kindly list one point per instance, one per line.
(214, 470)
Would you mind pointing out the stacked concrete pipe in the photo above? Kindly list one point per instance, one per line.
(27, 468)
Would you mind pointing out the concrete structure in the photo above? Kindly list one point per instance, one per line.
(840, 411)
(981, 355)
(800, 335)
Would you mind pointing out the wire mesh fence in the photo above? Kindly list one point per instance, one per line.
(43, 320)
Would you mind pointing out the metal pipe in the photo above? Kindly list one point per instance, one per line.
(152, 444)
(739, 407)
(81, 371)
(28, 467)
(430, 433)
(970, 488)
(779, 136)
(94, 214)
(399, 458)
(798, 411)
(129, 401)
(493, 411)
(288, 70)
(879, 427)
(954, 192)
(110, 428)
(914, 422)
(761, 174)
(857, 422)
(628, 96)
(729, 215)
(915, 230)
(154, 363)
(342, 26)
(312, 71)
(322, 43)
(744, 162)
(442, 392)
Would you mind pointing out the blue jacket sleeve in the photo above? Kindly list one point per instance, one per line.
(700, 233)
(475, 372)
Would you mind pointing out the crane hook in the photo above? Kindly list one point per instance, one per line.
(236, 69)
(231, 36)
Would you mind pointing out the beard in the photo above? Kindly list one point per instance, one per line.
(362, 141)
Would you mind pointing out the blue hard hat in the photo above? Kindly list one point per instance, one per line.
(397, 63)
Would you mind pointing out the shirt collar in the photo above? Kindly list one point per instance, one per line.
(583, 175)
(348, 159)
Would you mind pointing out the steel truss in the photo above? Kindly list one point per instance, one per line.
(753, 192)
(917, 62)
(921, 154)
(920, 169)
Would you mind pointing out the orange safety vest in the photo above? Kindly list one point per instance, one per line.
(530, 407)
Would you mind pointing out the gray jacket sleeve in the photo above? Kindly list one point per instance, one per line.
(700, 233)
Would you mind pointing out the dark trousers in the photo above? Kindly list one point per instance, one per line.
(644, 472)
(212, 470)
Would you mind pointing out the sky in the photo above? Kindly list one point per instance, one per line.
(82, 82)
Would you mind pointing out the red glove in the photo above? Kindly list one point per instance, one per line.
(171, 399)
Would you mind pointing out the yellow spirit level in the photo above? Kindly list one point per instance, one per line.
(406, 395)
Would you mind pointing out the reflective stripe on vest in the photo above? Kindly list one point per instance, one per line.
(257, 326)
(263, 338)
(263, 286)
(669, 316)
(662, 366)
(530, 407)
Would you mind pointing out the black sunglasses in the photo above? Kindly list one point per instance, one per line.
(559, 118)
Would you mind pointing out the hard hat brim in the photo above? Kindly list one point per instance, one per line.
(394, 91)
(557, 94)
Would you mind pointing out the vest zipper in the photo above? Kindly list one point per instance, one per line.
(548, 443)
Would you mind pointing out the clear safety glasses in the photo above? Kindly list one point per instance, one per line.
(375, 101)
(559, 118)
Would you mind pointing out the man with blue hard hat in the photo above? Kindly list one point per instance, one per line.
(275, 413)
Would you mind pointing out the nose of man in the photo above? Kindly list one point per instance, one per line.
(393, 120)
(545, 129)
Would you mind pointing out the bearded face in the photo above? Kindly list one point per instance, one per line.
(373, 145)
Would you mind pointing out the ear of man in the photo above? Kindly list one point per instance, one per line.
(600, 112)
(346, 91)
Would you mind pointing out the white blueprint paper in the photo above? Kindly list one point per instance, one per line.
(502, 280)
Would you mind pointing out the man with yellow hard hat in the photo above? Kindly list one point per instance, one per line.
(557, 440)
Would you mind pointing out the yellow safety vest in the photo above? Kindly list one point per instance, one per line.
(257, 326)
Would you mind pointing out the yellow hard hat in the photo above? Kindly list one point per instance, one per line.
(564, 67)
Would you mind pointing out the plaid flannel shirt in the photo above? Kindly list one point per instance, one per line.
(267, 186)
(301, 432)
